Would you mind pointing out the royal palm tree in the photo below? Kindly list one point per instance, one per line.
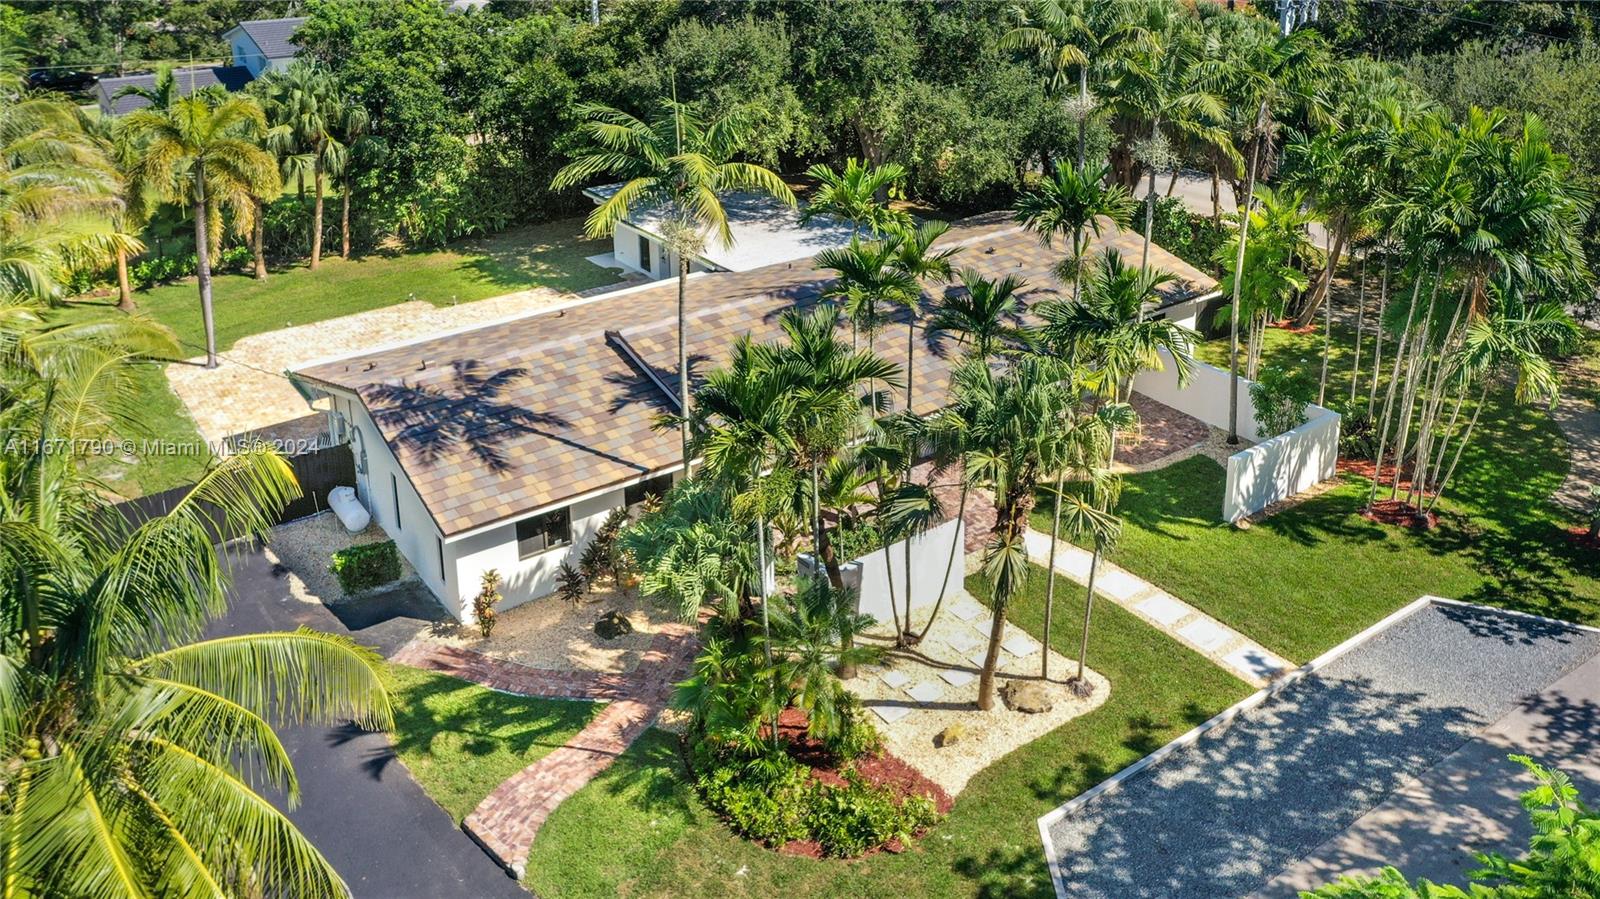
(858, 194)
(1010, 422)
(683, 164)
(307, 102)
(204, 152)
(1072, 202)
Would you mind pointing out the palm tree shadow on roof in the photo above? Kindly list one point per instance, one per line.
(470, 411)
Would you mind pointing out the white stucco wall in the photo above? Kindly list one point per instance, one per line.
(932, 574)
(1279, 467)
(522, 580)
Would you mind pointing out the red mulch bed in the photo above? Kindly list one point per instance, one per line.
(1365, 468)
(1580, 536)
(1288, 325)
(1401, 514)
(882, 770)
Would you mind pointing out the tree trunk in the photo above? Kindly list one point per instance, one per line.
(1483, 395)
(1172, 183)
(1327, 344)
(1361, 320)
(124, 289)
(1388, 398)
(950, 561)
(1233, 311)
(1081, 684)
(344, 220)
(258, 230)
(1083, 115)
(1149, 211)
(1050, 575)
(316, 216)
(1377, 339)
(1324, 282)
(991, 656)
(683, 359)
(1216, 197)
(202, 256)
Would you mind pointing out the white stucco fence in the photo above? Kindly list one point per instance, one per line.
(1278, 467)
(932, 575)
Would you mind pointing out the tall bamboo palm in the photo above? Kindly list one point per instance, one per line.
(205, 153)
(681, 163)
(1011, 424)
(859, 194)
(1072, 203)
(308, 103)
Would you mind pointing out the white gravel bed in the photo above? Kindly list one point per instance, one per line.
(937, 686)
(306, 547)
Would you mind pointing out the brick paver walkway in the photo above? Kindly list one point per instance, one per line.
(507, 820)
(1234, 652)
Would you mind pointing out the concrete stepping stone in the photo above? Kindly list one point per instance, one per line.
(894, 679)
(1163, 609)
(957, 677)
(1020, 645)
(964, 642)
(890, 713)
(977, 658)
(1206, 634)
(926, 692)
(1118, 585)
(1256, 662)
(967, 609)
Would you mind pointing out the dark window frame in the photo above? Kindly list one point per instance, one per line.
(645, 262)
(394, 488)
(634, 494)
(534, 532)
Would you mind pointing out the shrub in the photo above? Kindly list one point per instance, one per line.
(483, 604)
(849, 820)
(764, 802)
(1193, 238)
(1358, 435)
(570, 583)
(364, 567)
(857, 737)
(855, 540)
(1280, 401)
(604, 556)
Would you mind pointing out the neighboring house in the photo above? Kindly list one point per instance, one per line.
(258, 47)
(264, 45)
(505, 446)
(765, 232)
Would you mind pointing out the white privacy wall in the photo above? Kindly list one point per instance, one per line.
(932, 573)
(1278, 467)
(521, 580)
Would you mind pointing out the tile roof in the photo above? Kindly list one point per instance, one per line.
(189, 80)
(275, 37)
(494, 422)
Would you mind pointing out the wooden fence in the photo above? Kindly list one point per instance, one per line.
(318, 472)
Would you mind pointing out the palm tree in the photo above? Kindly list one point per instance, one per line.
(307, 102)
(857, 195)
(61, 197)
(814, 631)
(1075, 38)
(682, 163)
(205, 153)
(1073, 202)
(915, 258)
(1271, 279)
(866, 282)
(1087, 517)
(1010, 422)
(134, 754)
(984, 315)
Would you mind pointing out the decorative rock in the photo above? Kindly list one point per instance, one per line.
(613, 625)
(951, 735)
(1025, 696)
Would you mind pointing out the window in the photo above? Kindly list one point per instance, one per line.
(635, 494)
(542, 532)
(444, 576)
(644, 254)
(394, 488)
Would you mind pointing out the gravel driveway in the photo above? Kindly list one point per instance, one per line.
(1225, 816)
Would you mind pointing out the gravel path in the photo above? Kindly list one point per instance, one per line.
(1224, 817)
(1578, 416)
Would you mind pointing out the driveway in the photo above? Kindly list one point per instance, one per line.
(359, 805)
(1331, 774)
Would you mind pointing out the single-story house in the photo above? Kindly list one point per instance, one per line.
(258, 46)
(765, 232)
(505, 446)
(264, 45)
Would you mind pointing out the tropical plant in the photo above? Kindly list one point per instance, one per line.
(985, 315)
(1271, 277)
(859, 194)
(915, 258)
(814, 631)
(204, 152)
(1072, 202)
(683, 164)
(689, 552)
(313, 115)
(1010, 423)
(483, 605)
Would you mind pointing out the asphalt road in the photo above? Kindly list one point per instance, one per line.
(359, 805)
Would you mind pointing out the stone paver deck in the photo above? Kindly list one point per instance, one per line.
(506, 822)
(1238, 654)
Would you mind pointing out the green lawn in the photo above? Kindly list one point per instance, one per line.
(1303, 580)
(175, 454)
(460, 740)
(546, 255)
(639, 829)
